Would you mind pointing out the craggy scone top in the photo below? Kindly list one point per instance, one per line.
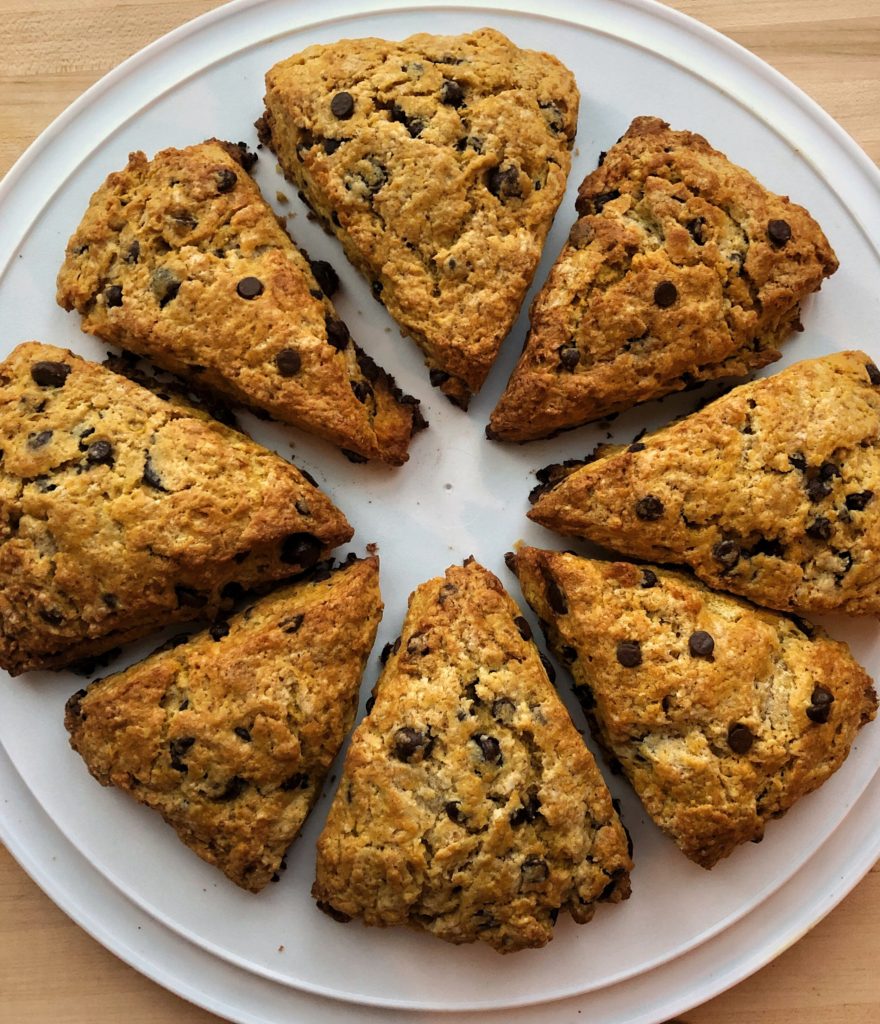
(121, 512)
(772, 491)
(439, 163)
(469, 805)
(720, 714)
(681, 267)
(180, 259)
(229, 734)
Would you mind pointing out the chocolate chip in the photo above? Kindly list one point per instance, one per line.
(453, 812)
(361, 390)
(232, 591)
(234, 788)
(370, 704)
(411, 745)
(504, 184)
(779, 232)
(218, 630)
(529, 809)
(189, 598)
(342, 105)
(649, 579)
(548, 667)
(164, 284)
(249, 287)
(595, 204)
(503, 709)
(873, 373)
(100, 454)
(330, 147)
(585, 696)
(695, 229)
(178, 749)
(302, 549)
(470, 692)
(414, 124)
(133, 253)
(857, 502)
(288, 362)
(51, 616)
(242, 733)
(534, 870)
(555, 596)
(798, 460)
(451, 93)
(817, 489)
(819, 710)
(819, 529)
(386, 653)
(50, 375)
(490, 748)
(828, 470)
(629, 653)
(337, 333)
(299, 780)
(226, 180)
(438, 377)
(510, 560)
(726, 552)
(326, 277)
(649, 508)
(113, 295)
(569, 357)
(291, 624)
(665, 294)
(525, 630)
(740, 738)
(331, 911)
(701, 644)
(39, 440)
(151, 478)
(637, 446)
(821, 697)
(376, 288)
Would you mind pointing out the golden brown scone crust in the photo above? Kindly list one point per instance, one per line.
(664, 208)
(155, 267)
(121, 513)
(441, 182)
(230, 734)
(772, 491)
(469, 806)
(715, 744)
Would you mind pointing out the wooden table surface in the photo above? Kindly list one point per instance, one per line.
(50, 51)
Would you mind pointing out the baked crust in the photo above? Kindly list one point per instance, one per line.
(469, 806)
(440, 177)
(717, 735)
(772, 491)
(121, 513)
(670, 276)
(181, 260)
(230, 734)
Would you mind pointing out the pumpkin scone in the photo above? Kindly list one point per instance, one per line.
(469, 806)
(121, 512)
(768, 492)
(229, 734)
(181, 260)
(680, 268)
(439, 163)
(720, 714)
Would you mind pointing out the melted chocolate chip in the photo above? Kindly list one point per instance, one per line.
(302, 549)
(438, 377)
(873, 373)
(249, 287)
(113, 295)
(779, 232)
(525, 630)
(411, 745)
(50, 375)
(100, 454)
(740, 738)
(637, 446)
(490, 748)
(342, 105)
(337, 333)
(650, 508)
(326, 277)
(555, 596)
(629, 653)
(858, 502)
(451, 93)
(226, 180)
(242, 733)
(548, 667)
(701, 644)
(151, 478)
(288, 362)
(799, 461)
(665, 294)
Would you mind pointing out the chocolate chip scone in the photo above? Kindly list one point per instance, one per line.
(469, 806)
(720, 714)
(439, 163)
(121, 513)
(681, 268)
(229, 734)
(768, 492)
(181, 260)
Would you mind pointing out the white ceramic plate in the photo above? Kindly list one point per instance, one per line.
(458, 495)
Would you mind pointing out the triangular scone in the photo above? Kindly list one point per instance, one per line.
(720, 714)
(229, 735)
(772, 491)
(681, 268)
(439, 163)
(181, 260)
(121, 513)
(469, 806)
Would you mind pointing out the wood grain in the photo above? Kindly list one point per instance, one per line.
(50, 52)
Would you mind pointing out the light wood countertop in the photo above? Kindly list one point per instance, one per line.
(50, 51)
